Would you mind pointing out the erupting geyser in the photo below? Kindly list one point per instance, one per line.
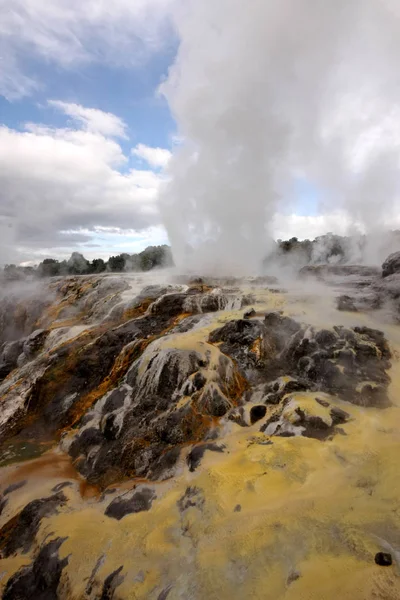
(269, 93)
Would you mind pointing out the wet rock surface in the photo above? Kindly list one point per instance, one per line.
(19, 533)
(146, 387)
(139, 501)
(41, 579)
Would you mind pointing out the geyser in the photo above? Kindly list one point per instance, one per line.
(264, 93)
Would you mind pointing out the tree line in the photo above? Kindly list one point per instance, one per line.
(152, 257)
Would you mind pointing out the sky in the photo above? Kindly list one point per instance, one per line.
(105, 105)
(85, 136)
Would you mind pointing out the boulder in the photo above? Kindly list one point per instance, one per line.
(391, 264)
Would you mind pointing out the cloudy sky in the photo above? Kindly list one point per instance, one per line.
(91, 113)
(84, 137)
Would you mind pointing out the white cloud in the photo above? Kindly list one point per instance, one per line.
(155, 157)
(92, 119)
(59, 186)
(303, 227)
(75, 32)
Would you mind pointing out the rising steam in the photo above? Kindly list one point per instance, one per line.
(267, 91)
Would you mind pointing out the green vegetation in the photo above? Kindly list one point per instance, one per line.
(151, 258)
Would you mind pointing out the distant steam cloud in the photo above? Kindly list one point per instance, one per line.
(265, 91)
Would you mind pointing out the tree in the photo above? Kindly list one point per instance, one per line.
(97, 265)
(116, 263)
(49, 268)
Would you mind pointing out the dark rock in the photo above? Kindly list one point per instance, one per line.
(20, 531)
(13, 487)
(196, 454)
(170, 305)
(165, 593)
(214, 403)
(377, 337)
(3, 503)
(239, 339)
(338, 415)
(61, 486)
(110, 428)
(237, 508)
(383, 559)
(114, 401)
(187, 324)
(322, 402)
(249, 314)
(324, 270)
(326, 338)
(111, 583)
(40, 580)
(34, 342)
(280, 329)
(293, 576)
(257, 413)
(391, 264)
(9, 357)
(163, 468)
(275, 391)
(198, 381)
(240, 332)
(193, 497)
(140, 501)
(346, 303)
(85, 441)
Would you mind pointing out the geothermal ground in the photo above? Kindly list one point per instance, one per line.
(166, 437)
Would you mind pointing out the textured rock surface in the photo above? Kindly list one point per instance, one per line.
(191, 452)
(391, 264)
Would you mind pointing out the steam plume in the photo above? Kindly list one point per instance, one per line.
(267, 91)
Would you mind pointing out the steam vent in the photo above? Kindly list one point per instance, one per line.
(193, 438)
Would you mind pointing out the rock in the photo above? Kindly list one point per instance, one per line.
(163, 595)
(338, 415)
(279, 330)
(257, 413)
(249, 314)
(138, 502)
(61, 486)
(20, 531)
(3, 503)
(326, 338)
(164, 467)
(213, 402)
(34, 342)
(196, 454)
(383, 559)
(114, 401)
(391, 264)
(85, 441)
(241, 339)
(193, 497)
(39, 580)
(13, 487)
(292, 577)
(325, 270)
(169, 305)
(111, 583)
(9, 357)
(346, 304)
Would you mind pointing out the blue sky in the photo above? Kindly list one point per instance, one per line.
(130, 93)
(85, 135)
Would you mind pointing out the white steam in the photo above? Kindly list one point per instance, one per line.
(265, 91)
